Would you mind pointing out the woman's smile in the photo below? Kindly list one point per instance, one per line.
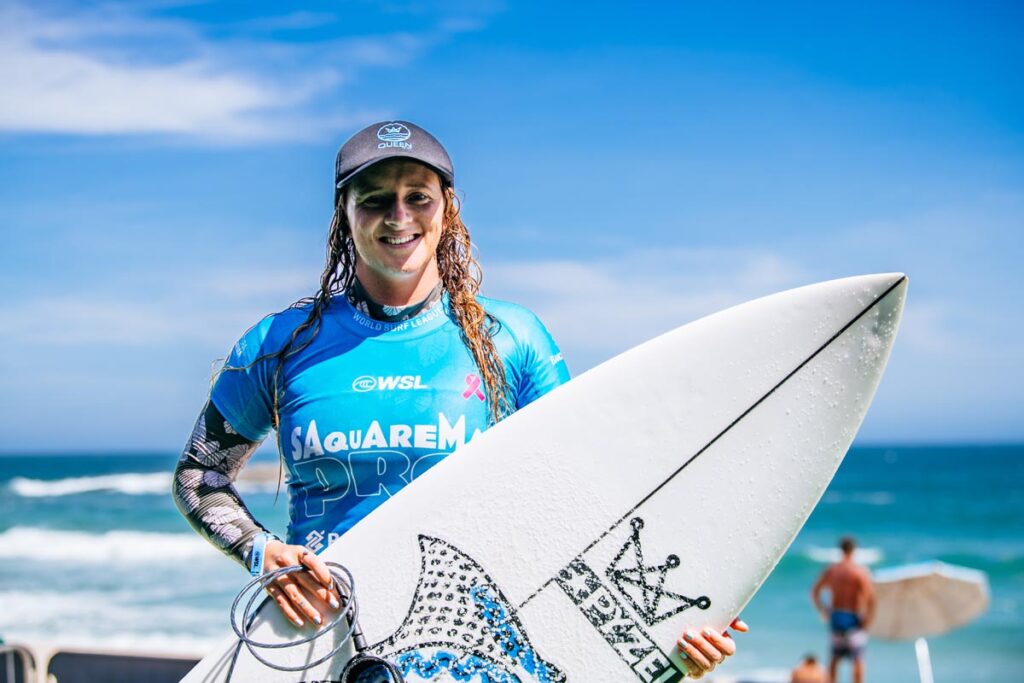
(400, 241)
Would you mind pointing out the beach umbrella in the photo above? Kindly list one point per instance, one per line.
(919, 600)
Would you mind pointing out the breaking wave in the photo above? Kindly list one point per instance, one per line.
(132, 484)
(53, 618)
(860, 497)
(866, 556)
(123, 547)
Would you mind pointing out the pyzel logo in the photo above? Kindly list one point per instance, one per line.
(384, 383)
(393, 135)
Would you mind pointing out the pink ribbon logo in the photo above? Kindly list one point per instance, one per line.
(473, 387)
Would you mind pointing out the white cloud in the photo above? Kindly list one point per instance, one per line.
(955, 371)
(49, 91)
(108, 71)
(599, 307)
(595, 308)
(294, 21)
(207, 307)
(51, 82)
(962, 258)
(926, 327)
(71, 321)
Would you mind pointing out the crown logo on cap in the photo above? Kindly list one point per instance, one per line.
(393, 132)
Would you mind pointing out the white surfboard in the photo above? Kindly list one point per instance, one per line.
(577, 539)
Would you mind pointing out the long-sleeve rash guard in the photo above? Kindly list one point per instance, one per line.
(369, 405)
(204, 487)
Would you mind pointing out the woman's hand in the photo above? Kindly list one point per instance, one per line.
(703, 650)
(300, 595)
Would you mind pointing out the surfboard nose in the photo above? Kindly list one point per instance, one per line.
(879, 284)
(898, 292)
(890, 292)
(887, 283)
(881, 295)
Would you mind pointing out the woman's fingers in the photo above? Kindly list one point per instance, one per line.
(324, 597)
(694, 669)
(723, 644)
(300, 600)
(317, 579)
(690, 645)
(700, 641)
(318, 568)
(703, 650)
(301, 595)
(289, 611)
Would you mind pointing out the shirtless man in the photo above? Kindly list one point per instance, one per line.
(853, 606)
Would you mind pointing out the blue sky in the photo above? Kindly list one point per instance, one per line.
(166, 172)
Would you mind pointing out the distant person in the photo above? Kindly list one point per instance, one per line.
(809, 671)
(851, 611)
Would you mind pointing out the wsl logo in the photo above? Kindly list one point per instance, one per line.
(394, 135)
(386, 383)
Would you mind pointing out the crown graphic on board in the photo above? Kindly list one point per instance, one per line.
(393, 129)
(643, 585)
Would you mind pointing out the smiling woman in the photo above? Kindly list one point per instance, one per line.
(391, 365)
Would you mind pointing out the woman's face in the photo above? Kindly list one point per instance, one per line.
(395, 210)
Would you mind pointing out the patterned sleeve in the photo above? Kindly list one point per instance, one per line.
(541, 366)
(204, 488)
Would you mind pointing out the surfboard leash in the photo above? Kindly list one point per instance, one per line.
(348, 611)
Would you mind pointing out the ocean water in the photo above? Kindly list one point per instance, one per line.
(94, 553)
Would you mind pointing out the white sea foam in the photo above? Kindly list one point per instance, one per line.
(125, 547)
(72, 619)
(866, 556)
(36, 609)
(861, 497)
(763, 675)
(134, 484)
(151, 642)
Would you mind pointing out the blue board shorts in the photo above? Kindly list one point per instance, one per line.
(848, 635)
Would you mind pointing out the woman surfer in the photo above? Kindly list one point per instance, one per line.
(393, 363)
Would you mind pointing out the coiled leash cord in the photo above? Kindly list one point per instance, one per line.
(349, 611)
(344, 583)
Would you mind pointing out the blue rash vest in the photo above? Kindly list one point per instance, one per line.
(369, 406)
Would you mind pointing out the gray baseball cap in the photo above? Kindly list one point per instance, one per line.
(386, 140)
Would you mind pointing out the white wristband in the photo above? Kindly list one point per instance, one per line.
(259, 545)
